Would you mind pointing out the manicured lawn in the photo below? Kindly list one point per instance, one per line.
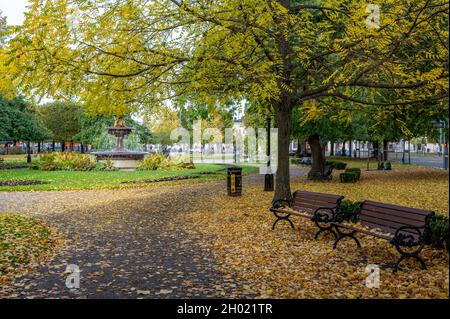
(69, 180)
(23, 242)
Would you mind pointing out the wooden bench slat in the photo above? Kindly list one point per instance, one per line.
(309, 206)
(319, 196)
(383, 218)
(393, 213)
(389, 229)
(359, 230)
(296, 213)
(397, 208)
(315, 201)
(383, 223)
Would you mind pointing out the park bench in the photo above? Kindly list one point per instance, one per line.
(318, 207)
(405, 228)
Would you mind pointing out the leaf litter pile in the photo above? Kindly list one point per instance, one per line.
(24, 242)
(288, 263)
(188, 241)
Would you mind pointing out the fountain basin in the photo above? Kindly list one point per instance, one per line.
(125, 160)
(122, 158)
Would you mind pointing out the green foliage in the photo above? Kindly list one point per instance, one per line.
(160, 161)
(66, 161)
(337, 164)
(349, 210)
(355, 170)
(63, 119)
(350, 175)
(439, 235)
(155, 162)
(106, 166)
(19, 121)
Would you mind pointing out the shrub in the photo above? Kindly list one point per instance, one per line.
(15, 150)
(106, 166)
(154, 162)
(354, 170)
(161, 161)
(438, 236)
(66, 161)
(349, 177)
(349, 210)
(337, 164)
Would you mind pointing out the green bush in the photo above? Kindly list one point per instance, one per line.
(337, 164)
(66, 161)
(153, 162)
(349, 210)
(161, 161)
(107, 166)
(349, 177)
(438, 236)
(355, 170)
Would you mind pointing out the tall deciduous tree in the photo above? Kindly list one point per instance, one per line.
(63, 119)
(119, 56)
(19, 121)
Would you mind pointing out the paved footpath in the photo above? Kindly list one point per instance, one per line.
(128, 243)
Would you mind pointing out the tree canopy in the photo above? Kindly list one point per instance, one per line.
(19, 121)
(122, 56)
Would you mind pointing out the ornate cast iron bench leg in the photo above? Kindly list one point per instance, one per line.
(342, 235)
(405, 255)
(280, 217)
(324, 229)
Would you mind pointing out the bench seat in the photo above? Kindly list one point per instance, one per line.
(318, 207)
(401, 226)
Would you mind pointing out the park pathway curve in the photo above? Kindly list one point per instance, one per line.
(127, 243)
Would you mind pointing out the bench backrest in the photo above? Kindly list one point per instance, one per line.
(389, 218)
(310, 201)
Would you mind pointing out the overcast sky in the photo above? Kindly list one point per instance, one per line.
(13, 10)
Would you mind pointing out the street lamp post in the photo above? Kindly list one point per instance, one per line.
(443, 141)
(268, 178)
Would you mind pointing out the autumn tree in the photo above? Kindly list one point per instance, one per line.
(121, 56)
(63, 119)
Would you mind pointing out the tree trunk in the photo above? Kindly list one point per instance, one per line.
(82, 148)
(282, 183)
(331, 149)
(28, 152)
(344, 152)
(350, 148)
(385, 150)
(376, 153)
(63, 147)
(317, 158)
(71, 146)
(39, 147)
(53, 146)
(299, 148)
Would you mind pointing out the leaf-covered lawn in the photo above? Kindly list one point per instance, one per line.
(291, 264)
(69, 180)
(23, 242)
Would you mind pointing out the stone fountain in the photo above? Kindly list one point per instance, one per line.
(122, 158)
